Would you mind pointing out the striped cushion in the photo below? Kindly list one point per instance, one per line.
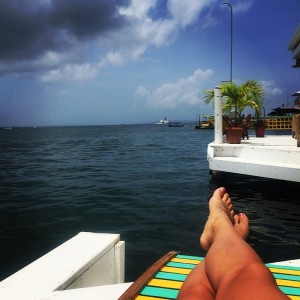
(167, 281)
(288, 279)
(171, 270)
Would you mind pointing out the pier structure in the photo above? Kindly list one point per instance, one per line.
(273, 156)
(88, 266)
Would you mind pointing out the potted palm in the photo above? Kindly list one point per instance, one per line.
(237, 98)
(260, 127)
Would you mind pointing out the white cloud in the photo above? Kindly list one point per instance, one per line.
(142, 31)
(141, 92)
(243, 5)
(270, 88)
(209, 20)
(129, 42)
(185, 91)
(71, 72)
(52, 59)
(186, 12)
(139, 25)
(138, 9)
(112, 58)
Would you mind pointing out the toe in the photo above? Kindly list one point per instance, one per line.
(236, 219)
(220, 192)
(243, 219)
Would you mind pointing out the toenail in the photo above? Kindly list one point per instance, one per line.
(241, 215)
(223, 189)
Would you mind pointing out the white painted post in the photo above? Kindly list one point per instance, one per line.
(218, 115)
(119, 262)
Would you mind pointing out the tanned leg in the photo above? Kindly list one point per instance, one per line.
(233, 268)
(197, 284)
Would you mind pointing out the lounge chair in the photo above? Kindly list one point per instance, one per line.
(164, 278)
(246, 126)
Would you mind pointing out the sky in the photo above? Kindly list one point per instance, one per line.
(101, 62)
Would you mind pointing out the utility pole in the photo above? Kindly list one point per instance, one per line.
(231, 37)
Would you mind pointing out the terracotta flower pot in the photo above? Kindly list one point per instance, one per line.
(260, 131)
(234, 135)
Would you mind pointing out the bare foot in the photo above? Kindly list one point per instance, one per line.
(241, 225)
(220, 209)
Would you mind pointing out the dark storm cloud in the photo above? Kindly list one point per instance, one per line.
(29, 28)
(85, 18)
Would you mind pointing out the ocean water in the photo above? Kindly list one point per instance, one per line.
(150, 183)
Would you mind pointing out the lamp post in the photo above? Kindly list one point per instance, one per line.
(231, 37)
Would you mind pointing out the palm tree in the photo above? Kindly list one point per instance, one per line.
(248, 94)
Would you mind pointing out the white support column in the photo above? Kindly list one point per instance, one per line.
(218, 115)
(120, 262)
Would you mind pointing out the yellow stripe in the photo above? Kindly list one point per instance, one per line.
(186, 261)
(166, 283)
(285, 271)
(140, 297)
(285, 282)
(176, 270)
(294, 297)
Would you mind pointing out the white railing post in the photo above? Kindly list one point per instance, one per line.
(119, 262)
(218, 115)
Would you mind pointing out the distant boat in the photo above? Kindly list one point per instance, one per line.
(164, 121)
(175, 124)
(206, 123)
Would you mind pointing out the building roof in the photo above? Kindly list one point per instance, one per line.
(282, 111)
(294, 46)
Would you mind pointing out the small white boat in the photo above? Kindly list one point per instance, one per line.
(164, 121)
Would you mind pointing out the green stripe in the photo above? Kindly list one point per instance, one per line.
(283, 267)
(189, 257)
(159, 292)
(286, 276)
(180, 265)
(290, 290)
(171, 276)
